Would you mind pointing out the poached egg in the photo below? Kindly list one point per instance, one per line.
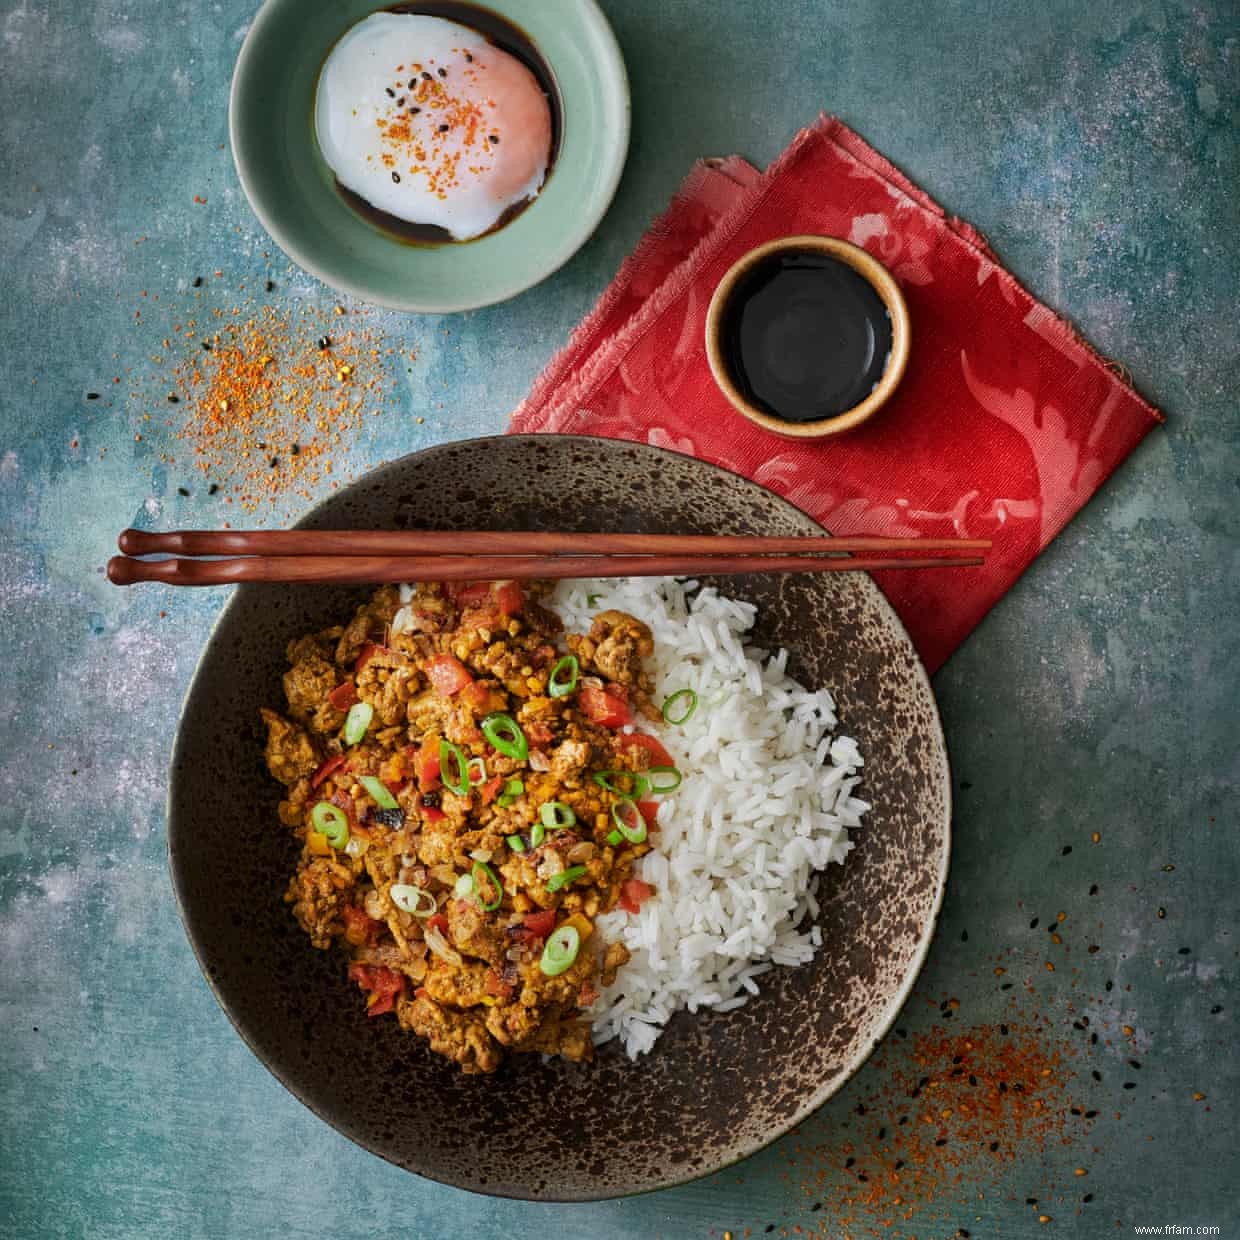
(430, 122)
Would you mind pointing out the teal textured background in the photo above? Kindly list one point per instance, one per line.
(1097, 148)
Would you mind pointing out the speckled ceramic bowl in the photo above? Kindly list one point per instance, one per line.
(716, 1088)
(290, 187)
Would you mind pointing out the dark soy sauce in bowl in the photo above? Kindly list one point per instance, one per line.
(805, 337)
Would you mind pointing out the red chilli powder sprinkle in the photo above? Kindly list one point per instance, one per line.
(952, 1117)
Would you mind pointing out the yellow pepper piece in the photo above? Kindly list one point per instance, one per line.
(581, 924)
(317, 843)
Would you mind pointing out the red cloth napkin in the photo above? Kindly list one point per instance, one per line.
(1006, 422)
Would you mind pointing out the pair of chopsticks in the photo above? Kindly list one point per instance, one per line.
(361, 557)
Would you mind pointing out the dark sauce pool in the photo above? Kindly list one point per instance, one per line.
(805, 337)
(509, 38)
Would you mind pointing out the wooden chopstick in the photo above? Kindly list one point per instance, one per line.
(376, 569)
(505, 542)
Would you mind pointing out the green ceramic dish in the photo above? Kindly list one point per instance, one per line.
(291, 190)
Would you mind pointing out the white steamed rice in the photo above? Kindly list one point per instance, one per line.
(766, 801)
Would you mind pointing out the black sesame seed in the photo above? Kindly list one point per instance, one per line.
(972, 1080)
(271, 285)
(816, 1206)
(1033, 925)
(1133, 1063)
(948, 1014)
(1093, 891)
(396, 177)
(182, 491)
(1031, 1201)
(1067, 848)
(213, 488)
(964, 936)
(400, 103)
(1091, 1114)
(1076, 1024)
(1110, 986)
(882, 1134)
(1185, 951)
(925, 1080)
(957, 1058)
(295, 450)
(994, 1145)
(1130, 1084)
(325, 342)
(495, 138)
(1074, 1110)
(861, 1175)
(899, 1163)
(443, 128)
(1096, 1075)
(442, 72)
(413, 82)
(426, 77)
(1088, 1197)
(770, 1227)
(1003, 1029)
(1006, 986)
(391, 92)
(1168, 869)
(962, 1233)
(1093, 1039)
(1003, 1087)
(92, 395)
(1216, 1009)
(1162, 913)
(275, 460)
(173, 398)
(1093, 949)
(941, 1141)
(848, 1162)
(860, 1108)
(198, 281)
(206, 344)
(469, 57)
(965, 785)
(414, 111)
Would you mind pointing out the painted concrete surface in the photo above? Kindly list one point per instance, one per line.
(1096, 147)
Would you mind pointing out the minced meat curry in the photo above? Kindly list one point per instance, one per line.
(468, 803)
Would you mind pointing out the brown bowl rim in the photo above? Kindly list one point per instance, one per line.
(866, 266)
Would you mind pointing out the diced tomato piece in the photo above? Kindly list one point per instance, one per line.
(343, 696)
(651, 744)
(332, 764)
(469, 593)
(432, 813)
(382, 984)
(538, 734)
(633, 893)
(345, 802)
(368, 652)
(589, 992)
(539, 925)
(509, 597)
(447, 674)
(438, 922)
(359, 929)
(650, 812)
(600, 706)
(426, 764)
(490, 790)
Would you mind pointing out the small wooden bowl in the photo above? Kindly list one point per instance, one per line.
(873, 272)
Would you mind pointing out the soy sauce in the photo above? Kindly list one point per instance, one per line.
(805, 336)
(508, 37)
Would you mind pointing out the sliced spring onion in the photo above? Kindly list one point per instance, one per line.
(516, 843)
(537, 835)
(609, 780)
(555, 815)
(512, 789)
(439, 945)
(564, 877)
(331, 822)
(478, 872)
(591, 599)
(679, 707)
(465, 887)
(357, 721)
(479, 764)
(411, 899)
(382, 797)
(563, 678)
(673, 775)
(561, 950)
(458, 778)
(629, 820)
(504, 732)
(614, 838)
